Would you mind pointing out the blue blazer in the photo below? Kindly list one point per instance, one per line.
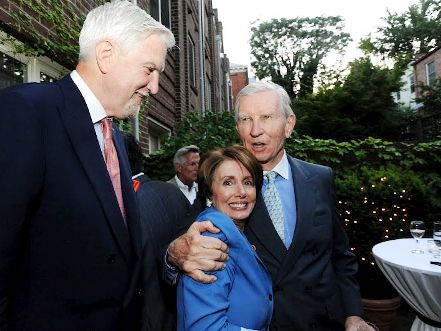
(67, 259)
(314, 279)
(240, 299)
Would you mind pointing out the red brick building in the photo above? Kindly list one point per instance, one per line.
(427, 68)
(187, 84)
(239, 79)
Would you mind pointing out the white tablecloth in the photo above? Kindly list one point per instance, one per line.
(412, 275)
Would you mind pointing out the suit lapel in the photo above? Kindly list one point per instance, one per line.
(78, 124)
(261, 226)
(130, 204)
(304, 191)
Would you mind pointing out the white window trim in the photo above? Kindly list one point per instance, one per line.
(166, 130)
(34, 65)
(427, 71)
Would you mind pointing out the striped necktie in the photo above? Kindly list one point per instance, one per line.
(274, 204)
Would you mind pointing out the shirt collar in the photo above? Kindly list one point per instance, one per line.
(183, 186)
(96, 110)
(282, 168)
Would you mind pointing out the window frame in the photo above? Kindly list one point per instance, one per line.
(431, 75)
(156, 130)
(34, 65)
(160, 8)
(191, 60)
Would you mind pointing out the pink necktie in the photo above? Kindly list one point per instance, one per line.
(112, 163)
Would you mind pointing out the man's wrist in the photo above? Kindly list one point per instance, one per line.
(168, 262)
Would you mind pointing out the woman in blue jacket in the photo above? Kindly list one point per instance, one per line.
(241, 297)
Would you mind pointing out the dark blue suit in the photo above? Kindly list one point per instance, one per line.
(165, 213)
(241, 297)
(67, 259)
(313, 281)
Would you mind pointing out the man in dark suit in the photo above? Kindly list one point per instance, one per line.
(186, 162)
(296, 231)
(164, 213)
(69, 238)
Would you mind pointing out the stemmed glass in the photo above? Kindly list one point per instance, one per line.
(417, 229)
(437, 236)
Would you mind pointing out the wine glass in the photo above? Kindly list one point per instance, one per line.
(437, 236)
(417, 229)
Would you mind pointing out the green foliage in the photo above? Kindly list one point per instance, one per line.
(360, 107)
(64, 21)
(291, 51)
(417, 30)
(380, 185)
(207, 132)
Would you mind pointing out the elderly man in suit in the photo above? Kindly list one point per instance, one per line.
(69, 238)
(294, 226)
(160, 224)
(186, 161)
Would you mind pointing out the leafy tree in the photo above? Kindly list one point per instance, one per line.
(291, 51)
(417, 30)
(360, 107)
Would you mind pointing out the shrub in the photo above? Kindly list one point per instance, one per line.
(380, 185)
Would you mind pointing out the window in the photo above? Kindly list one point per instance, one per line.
(412, 83)
(12, 71)
(431, 75)
(208, 94)
(157, 134)
(160, 11)
(191, 61)
(17, 68)
(45, 78)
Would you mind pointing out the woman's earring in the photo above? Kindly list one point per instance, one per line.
(208, 202)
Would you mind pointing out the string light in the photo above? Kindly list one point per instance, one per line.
(389, 217)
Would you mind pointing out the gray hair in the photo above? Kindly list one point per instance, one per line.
(253, 88)
(180, 154)
(122, 22)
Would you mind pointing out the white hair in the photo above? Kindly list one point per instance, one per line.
(253, 88)
(181, 153)
(123, 23)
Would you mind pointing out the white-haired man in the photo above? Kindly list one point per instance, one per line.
(294, 226)
(186, 162)
(69, 238)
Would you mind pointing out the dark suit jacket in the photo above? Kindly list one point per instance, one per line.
(67, 259)
(313, 281)
(165, 214)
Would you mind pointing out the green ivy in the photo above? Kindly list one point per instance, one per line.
(63, 20)
(380, 185)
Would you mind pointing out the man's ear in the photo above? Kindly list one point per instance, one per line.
(238, 132)
(178, 168)
(105, 53)
(290, 124)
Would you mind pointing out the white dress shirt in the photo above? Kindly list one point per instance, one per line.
(191, 193)
(96, 109)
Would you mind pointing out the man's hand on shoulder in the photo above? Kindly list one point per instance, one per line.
(194, 253)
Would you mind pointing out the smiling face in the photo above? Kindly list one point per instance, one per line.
(233, 191)
(263, 127)
(132, 76)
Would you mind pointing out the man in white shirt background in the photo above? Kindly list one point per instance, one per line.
(186, 161)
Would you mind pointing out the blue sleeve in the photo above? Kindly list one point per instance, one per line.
(205, 306)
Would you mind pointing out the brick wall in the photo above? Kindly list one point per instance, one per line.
(421, 67)
(238, 81)
(176, 96)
